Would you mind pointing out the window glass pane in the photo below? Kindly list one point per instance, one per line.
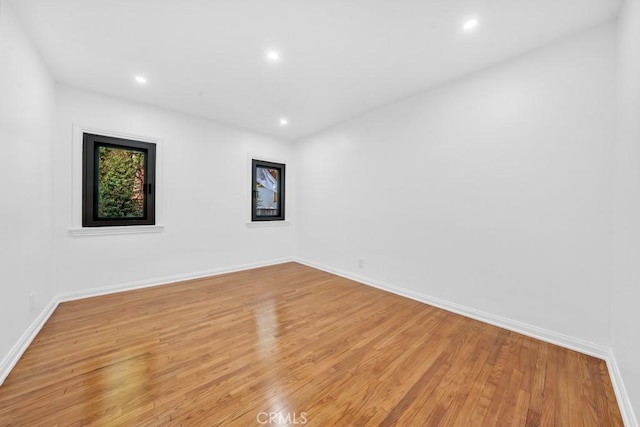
(267, 191)
(120, 183)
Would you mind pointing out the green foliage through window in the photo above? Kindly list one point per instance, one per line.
(120, 183)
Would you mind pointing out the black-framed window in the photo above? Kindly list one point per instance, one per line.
(118, 180)
(267, 191)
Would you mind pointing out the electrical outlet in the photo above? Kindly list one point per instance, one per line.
(360, 262)
(32, 301)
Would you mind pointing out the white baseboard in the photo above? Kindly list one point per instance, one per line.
(158, 281)
(482, 316)
(581, 346)
(16, 352)
(626, 409)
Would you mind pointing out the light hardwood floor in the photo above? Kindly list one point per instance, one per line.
(298, 342)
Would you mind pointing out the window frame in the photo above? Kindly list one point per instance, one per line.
(90, 143)
(255, 163)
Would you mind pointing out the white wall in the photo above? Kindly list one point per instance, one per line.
(493, 192)
(205, 197)
(26, 123)
(626, 248)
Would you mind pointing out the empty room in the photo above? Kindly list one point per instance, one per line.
(323, 213)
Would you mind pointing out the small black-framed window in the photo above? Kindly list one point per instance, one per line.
(267, 191)
(118, 181)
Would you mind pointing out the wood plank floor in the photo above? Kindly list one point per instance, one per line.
(301, 346)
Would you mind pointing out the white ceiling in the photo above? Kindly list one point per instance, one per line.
(339, 58)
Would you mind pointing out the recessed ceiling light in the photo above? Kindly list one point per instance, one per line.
(273, 56)
(284, 122)
(470, 24)
(141, 79)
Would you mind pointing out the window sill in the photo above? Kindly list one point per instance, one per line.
(261, 224)
(106, 231)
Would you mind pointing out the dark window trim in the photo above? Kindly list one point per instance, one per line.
(90, 143)
(254, 193)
